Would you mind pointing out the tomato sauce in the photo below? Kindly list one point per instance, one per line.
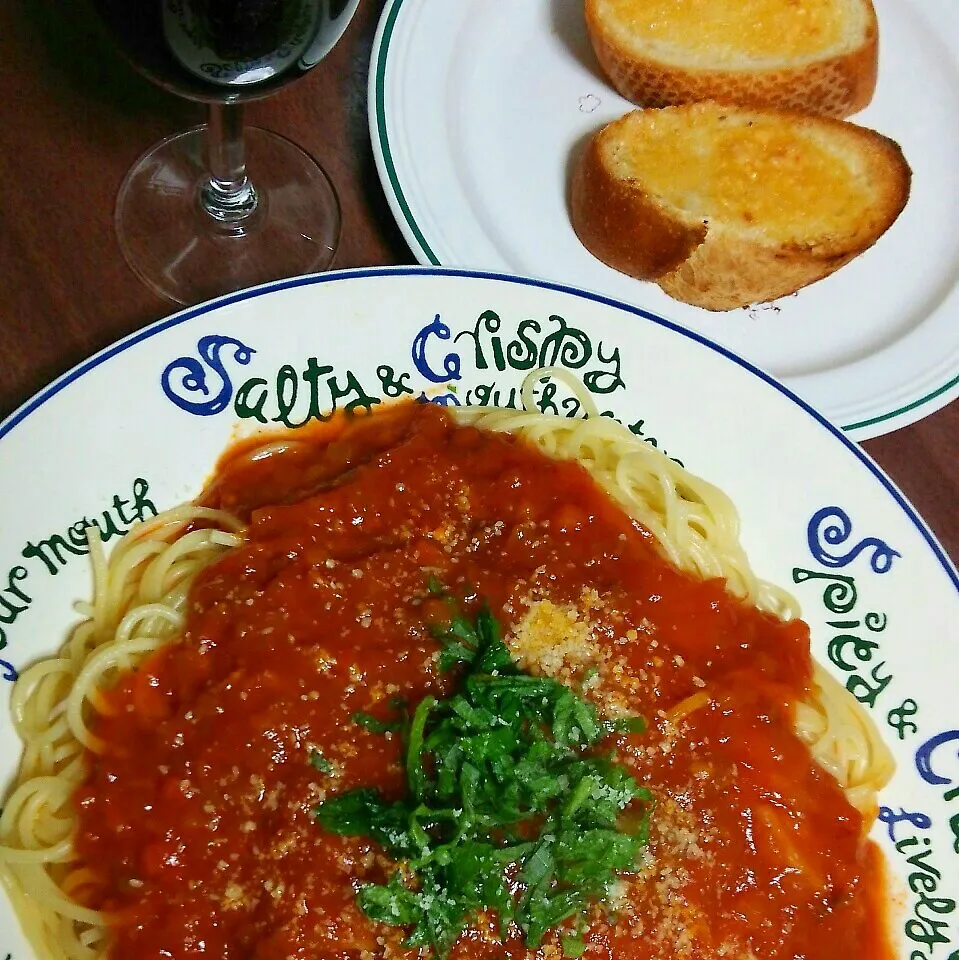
(197, 819)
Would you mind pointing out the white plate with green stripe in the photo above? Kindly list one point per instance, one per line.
(476, 108)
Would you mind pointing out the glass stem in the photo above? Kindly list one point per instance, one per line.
(228, 196)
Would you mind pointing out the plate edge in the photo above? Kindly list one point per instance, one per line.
(376, 118)
(39, 399)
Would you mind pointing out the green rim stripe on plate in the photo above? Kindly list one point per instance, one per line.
(909, 406)
(384, 140)
(381, 56)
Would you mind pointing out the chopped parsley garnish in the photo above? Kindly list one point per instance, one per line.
(511, 807)
(319, 762)
(373, 724)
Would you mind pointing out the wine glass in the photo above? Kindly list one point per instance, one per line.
(221, 207)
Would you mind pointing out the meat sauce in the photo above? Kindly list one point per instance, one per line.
(197, 820)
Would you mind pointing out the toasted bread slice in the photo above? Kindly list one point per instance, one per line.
(724, 207)
(815, 56)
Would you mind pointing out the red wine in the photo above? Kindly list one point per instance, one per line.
(225, 50)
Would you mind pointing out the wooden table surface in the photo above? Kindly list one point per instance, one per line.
(74, 117)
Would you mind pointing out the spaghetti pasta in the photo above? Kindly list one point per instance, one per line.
(695, 524)
(141, 589)
(138, 596)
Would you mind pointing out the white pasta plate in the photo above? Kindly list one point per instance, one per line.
(139, 426)
(476, 109)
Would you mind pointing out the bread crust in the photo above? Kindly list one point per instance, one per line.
(713, 265)
(725, 273)
(621, 225)
(836, 86)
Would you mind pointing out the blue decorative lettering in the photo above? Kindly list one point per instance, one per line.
(924, 756)
(9, 671)
(821, 532)
(451, 362)
(441, 399)
(890, 819)
(187, 376)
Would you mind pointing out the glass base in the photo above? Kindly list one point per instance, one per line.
(185, 255)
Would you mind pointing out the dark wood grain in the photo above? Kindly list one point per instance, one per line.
(74, 116)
